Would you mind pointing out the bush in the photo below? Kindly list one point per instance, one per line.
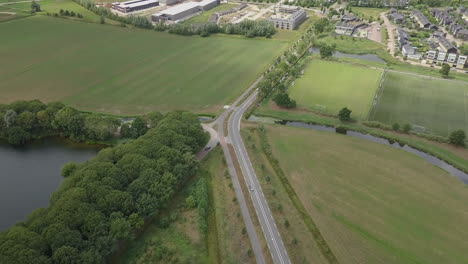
(406, 128)
(341, 130)
(282, 99)
(344, 114)
(396, 126)
(457, 138)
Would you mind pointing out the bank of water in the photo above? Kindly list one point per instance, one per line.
(30, 174)
(429, 158)
(338, 54)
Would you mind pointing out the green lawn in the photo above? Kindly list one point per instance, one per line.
(329, 86)
(372, 203)
(438, 105)
(203, 17)
(126, 71)
(367, 12)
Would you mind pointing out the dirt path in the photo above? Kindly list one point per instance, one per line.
(391, 33)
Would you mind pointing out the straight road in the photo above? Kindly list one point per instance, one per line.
(270, 231)
(234, 115)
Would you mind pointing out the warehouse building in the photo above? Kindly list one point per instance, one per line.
(135, 5)
(183, 10)
(288, 17)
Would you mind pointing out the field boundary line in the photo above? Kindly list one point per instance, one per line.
(377, 95)
(464, 102)
(426, 76)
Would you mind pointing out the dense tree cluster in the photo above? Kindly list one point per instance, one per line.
(24, 120)
(104, 200)
(282, 99)
(247, 28)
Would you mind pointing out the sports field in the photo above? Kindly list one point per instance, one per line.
(372, 203)
(329, 86)
(434, 105)
(125, 71)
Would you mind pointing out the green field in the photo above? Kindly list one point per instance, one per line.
(329, 86)
(437, 105)
(372, 203)
(125, 71)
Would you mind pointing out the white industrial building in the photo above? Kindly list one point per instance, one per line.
(288, 17)
(134, 5)
(183, 10)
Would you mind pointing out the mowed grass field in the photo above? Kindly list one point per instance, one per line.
(329, 86)
(438, 105)
(372, 203)
(126, 71)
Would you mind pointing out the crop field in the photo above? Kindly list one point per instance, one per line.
(431, 105)
(126, 71)
(329, 86)
(373, 203)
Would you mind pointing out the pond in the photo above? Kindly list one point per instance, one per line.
(30, 174)
(429, 158)
(368, 57)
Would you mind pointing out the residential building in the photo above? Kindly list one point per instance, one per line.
(430, 56)
(461, 62)
(462, 34)
(134, 5)
(407, 50)
(396, 17)
(420, 19)
(446, 46)
(349, 18)
(288, 17)
(441, 57)
(451, 59)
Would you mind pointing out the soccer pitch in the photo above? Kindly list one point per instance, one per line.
(119, 70)
(329, 86)
(434, 106)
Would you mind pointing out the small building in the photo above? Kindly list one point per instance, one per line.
(407, 50)
(462, 34)
(135, 5)
(288, 17)
(461, 62)
(344, 28)
(430, 56)
(441, 57)
(396, 17)
(349, 18)
(420, 19)
(452, 59)
(454, 28)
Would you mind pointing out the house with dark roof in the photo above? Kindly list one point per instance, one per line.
(407, 50)
(396, 17)
(420, 19)
(462, 34)
(446, 46)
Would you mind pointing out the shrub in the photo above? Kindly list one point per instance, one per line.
(457, 138)
(341, 130)
(396, 126)
(344, 114)
(406, 128)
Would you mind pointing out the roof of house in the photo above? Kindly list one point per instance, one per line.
(136, 3)
(422, 18)
(462, 32)
(408, 49)
(446, 44)
(402, 33)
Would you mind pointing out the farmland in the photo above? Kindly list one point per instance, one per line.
(126, 71)
(437, 105)
(329, 86)
(372, 203)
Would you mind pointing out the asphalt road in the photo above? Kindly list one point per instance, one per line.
(270, 231)
(267, 223)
